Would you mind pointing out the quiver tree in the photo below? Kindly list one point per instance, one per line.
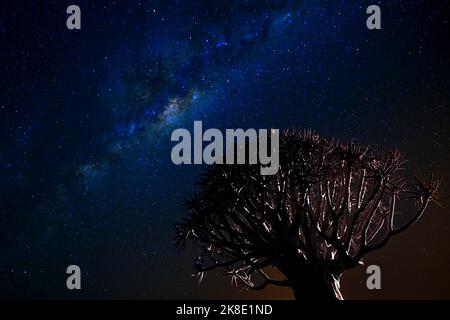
(328, 205)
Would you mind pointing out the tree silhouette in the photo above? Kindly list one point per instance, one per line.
(328, 206)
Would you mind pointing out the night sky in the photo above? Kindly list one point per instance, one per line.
(86, 117)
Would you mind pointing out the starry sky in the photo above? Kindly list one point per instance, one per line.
(86, 117)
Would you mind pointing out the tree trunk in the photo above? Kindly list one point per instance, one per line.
(309, 283)
(317, 289)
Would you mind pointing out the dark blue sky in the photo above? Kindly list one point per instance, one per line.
(86, 117)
